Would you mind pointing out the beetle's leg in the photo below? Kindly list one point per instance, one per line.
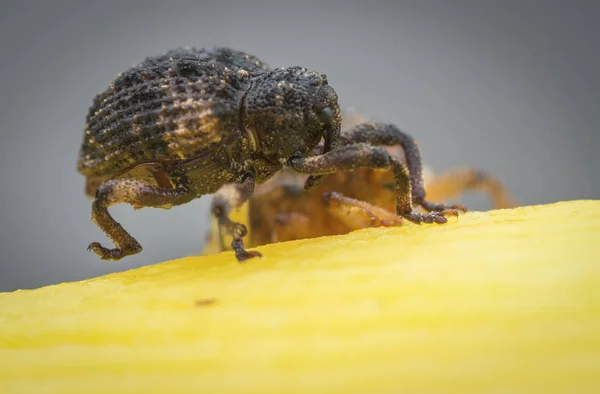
(357, 214)
(451, 184)
(234, 196)
(350, 157)
(137, 193)
(380, 134)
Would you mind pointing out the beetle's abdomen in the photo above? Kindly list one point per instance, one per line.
(171, 107)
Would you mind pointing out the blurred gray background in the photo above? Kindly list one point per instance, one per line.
(512, 87)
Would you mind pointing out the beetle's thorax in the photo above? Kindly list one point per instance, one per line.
(281, 113)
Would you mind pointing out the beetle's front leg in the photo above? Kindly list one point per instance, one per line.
(354, 156)
(231, 196)
(381, 134)
(137, 193)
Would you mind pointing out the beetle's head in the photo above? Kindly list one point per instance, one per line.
(289, 110)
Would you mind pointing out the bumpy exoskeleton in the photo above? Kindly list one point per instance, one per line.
(182, 125)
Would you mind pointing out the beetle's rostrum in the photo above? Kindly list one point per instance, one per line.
(184, 124)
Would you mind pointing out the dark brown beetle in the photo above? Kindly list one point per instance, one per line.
(182, 125)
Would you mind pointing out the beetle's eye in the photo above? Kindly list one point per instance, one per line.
(389, 186)
(326, 115)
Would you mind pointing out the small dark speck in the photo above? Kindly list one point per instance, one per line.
(205, 302)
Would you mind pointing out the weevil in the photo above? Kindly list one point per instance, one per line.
(181, 125)
(280, 210)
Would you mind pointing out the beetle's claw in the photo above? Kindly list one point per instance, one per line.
(104, 253)
(111, 254)
(246, 255)
(436, 213)
(452, 212)
(459, 207)
(93, 246)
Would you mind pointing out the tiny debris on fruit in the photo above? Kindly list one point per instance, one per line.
(184, 124)
(205, 302)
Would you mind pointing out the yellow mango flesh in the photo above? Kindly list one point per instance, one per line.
(500, 302)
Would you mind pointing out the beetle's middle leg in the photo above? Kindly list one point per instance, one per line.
(230, 196)
(349, 157)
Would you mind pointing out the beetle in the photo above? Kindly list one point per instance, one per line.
(280, 210)
(183, 124)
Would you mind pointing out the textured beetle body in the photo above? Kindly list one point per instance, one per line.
(168, 116)
(182, 125)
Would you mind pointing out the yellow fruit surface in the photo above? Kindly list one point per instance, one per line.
(506, 301)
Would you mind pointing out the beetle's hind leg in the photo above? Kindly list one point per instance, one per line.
(137, 193)
(231, 196)
(380, 134)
